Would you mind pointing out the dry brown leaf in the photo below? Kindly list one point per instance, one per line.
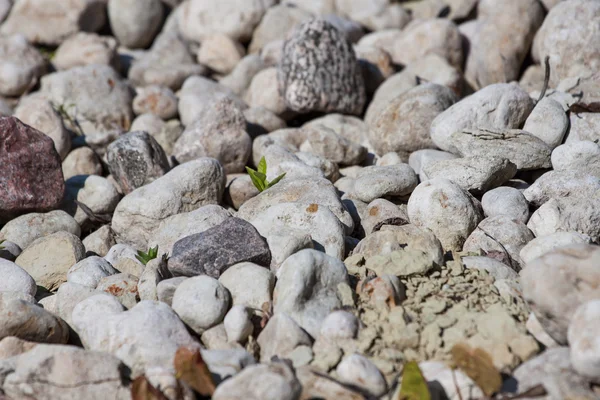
(479, 366)
(141, 389)
(192, 370)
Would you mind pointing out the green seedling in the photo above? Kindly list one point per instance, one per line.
(144, 258)
(2, 241)
(259, 177)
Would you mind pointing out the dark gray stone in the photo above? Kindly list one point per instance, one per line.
(136, 159)
(213, 251)
(319, 71)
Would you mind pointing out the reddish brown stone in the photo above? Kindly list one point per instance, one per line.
(31, 177)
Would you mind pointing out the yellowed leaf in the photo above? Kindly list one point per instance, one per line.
(479, 366)
(141, 389)
(191, 369)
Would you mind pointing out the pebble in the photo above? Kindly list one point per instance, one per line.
(16, 279)
(339, 325)
(236, 279)
(27, 228)
(22, 65)
(99, 50)
(507, 201)
(134, 23)
(157, 100)
(582, 335)
(81, 161)
(376, 182)
(280, 337)
(545, 244)
(121, 285)
(358, 370)
(238, 324)
(90, 271)
(583, 156)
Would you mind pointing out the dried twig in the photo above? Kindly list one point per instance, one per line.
(546, 78)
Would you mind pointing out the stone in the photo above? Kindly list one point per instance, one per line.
(524, 150)
(32, 19)
(183, 189)
(96, 192)
(339, 325)
(509, 27)
(567, 214)
(81, 161)
(453, 384)
(403, 125)
(507, 201)
(49, 258)
(22, 66)
(537, 331)
(123, 259)
(553, 370)
(584, 126)
(15, 278)
(499, 106)
(122, 286)
(239, 190)
(236, 279)
(157, 100)
(70, 373)
(284, 241)
(165, 133)
(99, 50)
(100, 241)
(309, 306)
(220, 53)
(103, 326)
(275, 380)
(301, 190)
(136, 159)
(28, 321)
(213, 251)
(324, 142)
(475, 174)
(238, 324)
(200, 19)
(134, 23)
(570, 54)
(323, 226)
(27, 228)
(315, 385)
(500, 234)
(570, 274)
(380, 213)
(201, 302)
(548, 121)
(320, 44)
(582, 334)
(219, 133)
(241, 76)
(277, 22)
(41, 115)
(90, 271)
(263, 92)
(404, 262)
(28, 186)
(358, 370)
(260, 121)
(498, 270)
(393, 237)
(100, 101)
(68, 296)
(561, 184)
(168, 63)
(546, 244)
(581, 156)
(449, 211)
(418, 159)
(166, 288)
(155, 271)
(421, 37)
(178, 226)
(9, 250)
(280, 337)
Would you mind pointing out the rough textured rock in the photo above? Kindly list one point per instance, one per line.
(577, 155)
(561, 184)
(99, 50)
(136, 159)
(447, 209)
(582, 335)
(71, 373)
(566, 44)
(220, 133)
(570, 274)
(326, 143)
(50, 23)
(30, 167)
(15, 278)
(213, 251)
(183, 189)
(526, 151)
(157, 100)
(317, 46)
(135, 23)
(475, 174)
(309, 306)
(403, 126)
(500, 106)
(49, 258)
(25, 229)
(280, 337)
(21, 66)
(545, 244)
(220, 53)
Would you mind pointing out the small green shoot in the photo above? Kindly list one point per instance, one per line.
(144, 258)
(2, 241)
(259, 177)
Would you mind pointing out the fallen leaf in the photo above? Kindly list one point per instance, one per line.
(141, 389)
(191, 369)
(479, 366)
(414, 385)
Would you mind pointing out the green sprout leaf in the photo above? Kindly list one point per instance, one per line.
(144, 258)
(2, 241)
(414, 385)
(259, 176)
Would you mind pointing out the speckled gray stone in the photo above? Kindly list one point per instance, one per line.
(319, 71)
